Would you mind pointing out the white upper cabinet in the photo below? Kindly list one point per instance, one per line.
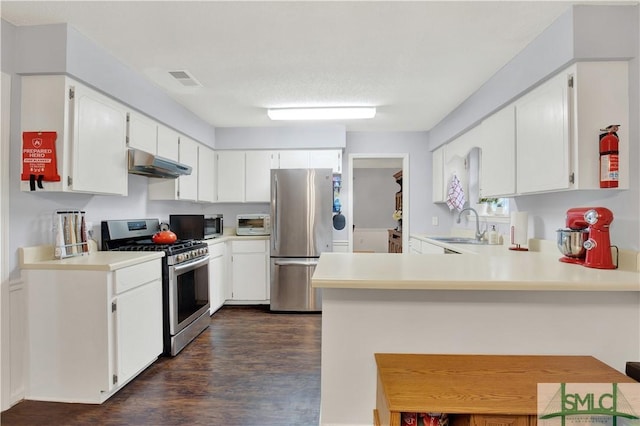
(91, 133)
(542, 135)
(142, 133)
(230, 169)
(558, 123)
(207, 179)
(326, 159)
(258, 176)
(184, 187)
(293, 159)
(439, 192)
(168, 143)
(188, 184)
(498, 154)
(244, 176)
(315, 159)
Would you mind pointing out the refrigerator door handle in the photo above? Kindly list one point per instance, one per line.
(295, 262)
(274, 225)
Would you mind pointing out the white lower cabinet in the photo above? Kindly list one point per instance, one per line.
(91, 331)
(419, 246)
(217, 275)
(250, 271)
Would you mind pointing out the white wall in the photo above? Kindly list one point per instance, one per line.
(298, 137)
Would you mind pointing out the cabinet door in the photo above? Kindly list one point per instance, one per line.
(230, 168)
(142, 133)
(415, 246)
(168, 143)
(439, 193)
(294, 159)
(217, 293)
(99, 143)
(206, 174)
(497, 420)
(249, 276)
(138, 328)
(258, 176)
(498, 154)
(326, 159)
(542, 135)
(188, 154)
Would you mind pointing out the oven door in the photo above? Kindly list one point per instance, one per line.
(188, 293)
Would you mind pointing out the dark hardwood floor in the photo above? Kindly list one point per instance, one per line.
(250, 367)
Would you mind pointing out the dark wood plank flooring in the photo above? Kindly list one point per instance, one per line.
(250, 367)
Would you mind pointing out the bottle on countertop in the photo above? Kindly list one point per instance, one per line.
(494, 236)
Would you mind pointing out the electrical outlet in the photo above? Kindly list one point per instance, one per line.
(434, 221)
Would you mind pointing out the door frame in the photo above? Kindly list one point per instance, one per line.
(405, 195)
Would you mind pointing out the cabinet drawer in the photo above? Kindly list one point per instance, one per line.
(216, 250)
(134, 276)
(255, 246)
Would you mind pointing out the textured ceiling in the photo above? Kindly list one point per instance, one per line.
(415, 61)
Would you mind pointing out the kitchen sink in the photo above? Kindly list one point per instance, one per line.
(458, 240)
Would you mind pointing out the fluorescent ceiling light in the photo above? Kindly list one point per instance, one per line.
(321, 113)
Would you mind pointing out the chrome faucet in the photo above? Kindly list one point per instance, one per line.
(479, 235)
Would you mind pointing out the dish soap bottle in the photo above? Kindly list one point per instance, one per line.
(494, 237)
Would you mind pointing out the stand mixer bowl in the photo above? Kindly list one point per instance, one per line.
(571, 242)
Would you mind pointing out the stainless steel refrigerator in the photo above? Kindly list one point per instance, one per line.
(301, 229)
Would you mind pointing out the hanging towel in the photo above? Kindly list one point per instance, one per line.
(455, 195)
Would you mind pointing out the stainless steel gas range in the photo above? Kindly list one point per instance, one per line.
(185, 277)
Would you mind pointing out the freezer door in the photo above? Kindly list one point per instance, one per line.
(301, 212)
(291, 285)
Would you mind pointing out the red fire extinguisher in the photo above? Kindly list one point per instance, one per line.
(609, 157)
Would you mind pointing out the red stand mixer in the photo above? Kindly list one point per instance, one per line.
(586, 239)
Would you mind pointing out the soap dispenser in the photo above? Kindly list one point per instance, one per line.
(494, 237)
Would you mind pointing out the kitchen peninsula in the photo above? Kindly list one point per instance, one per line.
(499, 302)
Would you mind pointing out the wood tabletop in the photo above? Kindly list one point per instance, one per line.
(481, 384)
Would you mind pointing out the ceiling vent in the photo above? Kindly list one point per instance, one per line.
(185, 78)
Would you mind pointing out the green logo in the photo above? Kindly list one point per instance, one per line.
(591, 405)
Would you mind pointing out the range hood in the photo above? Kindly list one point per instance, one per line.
(143, 163)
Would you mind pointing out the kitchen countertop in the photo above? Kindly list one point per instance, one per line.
(496, 268)
(41, 257)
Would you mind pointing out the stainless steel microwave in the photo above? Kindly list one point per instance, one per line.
(196, 226)
(253, 224)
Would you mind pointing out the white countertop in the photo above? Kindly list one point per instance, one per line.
(497, 268)
(41, 257)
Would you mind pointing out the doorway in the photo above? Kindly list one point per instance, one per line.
(371, 229)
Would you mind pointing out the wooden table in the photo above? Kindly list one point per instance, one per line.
(477, 390)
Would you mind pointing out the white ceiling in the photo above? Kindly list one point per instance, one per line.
(415, 61)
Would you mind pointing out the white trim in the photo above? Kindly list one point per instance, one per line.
(405, 195)
(4, 241)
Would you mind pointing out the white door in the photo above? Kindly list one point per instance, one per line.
(498, 152)
(206, 174)
(294, 159)
(142, 133)
(168, 143)
(258, 176)
(249, 276)
(439, 193)
(326, 159)
(542, 138)
(138, 328)
(99, 144)
(188, 184)
(230, 170)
